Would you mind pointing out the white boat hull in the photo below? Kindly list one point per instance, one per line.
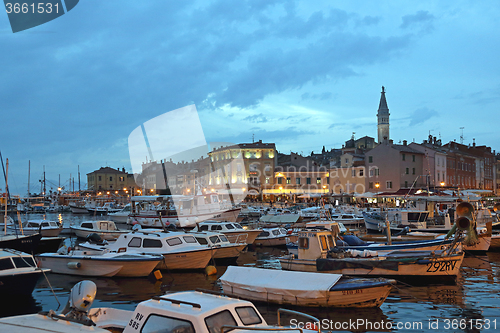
(187, 260)
(107, 235)
(95, 267)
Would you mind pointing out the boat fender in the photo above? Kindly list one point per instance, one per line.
(74, 265)
(210, 270)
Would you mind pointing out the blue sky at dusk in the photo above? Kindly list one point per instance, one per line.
(301, 74)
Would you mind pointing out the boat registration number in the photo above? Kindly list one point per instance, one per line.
(352, 292)
(441, 266)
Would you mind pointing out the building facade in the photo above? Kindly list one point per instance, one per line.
(109, 179)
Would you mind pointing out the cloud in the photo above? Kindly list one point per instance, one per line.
(421, 115)
(258, 118)
(482, 97)
(422, 20)
(323, 96)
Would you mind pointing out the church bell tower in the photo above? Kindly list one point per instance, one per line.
(383, 119)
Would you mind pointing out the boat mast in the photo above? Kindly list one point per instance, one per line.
(29, 172)
(6, 191)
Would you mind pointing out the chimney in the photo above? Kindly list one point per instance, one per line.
(391, 141)
(435, 139)
(385, 140)
(123, 169)
(425, 141)
(260, 141)
(405, 143)
(473, 142)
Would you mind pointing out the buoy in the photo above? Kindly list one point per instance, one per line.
(210, 270)
(158, 275)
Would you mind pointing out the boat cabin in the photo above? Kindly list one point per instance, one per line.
(218, 226)
(42, 223)
(314, 244)
(211, 238)
(99, 225)
(190, 312)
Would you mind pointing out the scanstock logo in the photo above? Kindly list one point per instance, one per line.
(26, 14)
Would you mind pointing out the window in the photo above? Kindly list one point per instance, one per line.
(407, 171)
(229, 226)
(204, 228)
(110, 179)
(318, 180)
(308, 180)
(216, 321)
(214, 239)
(361, 172)
(189, 239)
(413, 171)
(202, 241)
(404, 157)
(323, 242)
(267, 180)
(377, 172)
(303, 243)
(216, 227)
(297, 181)
(248, 315)
(288, 180)
(413, 158)
(370, 159)
(23, 262)
(371, 173)
(346, 161)
(264, 234)
(151, 243)
(174, 241)
(280, 180)
(156, 323)
(353, 173)
(370, 185)
(276, 232)
(6, 264)
(406, 184)
(99, 178)
(135, 242)
(122, 179)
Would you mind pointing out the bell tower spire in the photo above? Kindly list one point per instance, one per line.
(383, 119)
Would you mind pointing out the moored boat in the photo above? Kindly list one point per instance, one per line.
(105, 229)
(180, 250)
(287, 287)
(317, 253)
(46, 227)
(234, 232)
(99, 263)
(186, 312)
(274, 236)
(19, 273)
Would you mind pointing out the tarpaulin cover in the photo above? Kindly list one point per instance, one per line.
(270, 284)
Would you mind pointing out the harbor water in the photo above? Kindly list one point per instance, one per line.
(471, 304)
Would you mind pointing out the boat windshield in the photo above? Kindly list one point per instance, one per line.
(216, 321)
(156, 323)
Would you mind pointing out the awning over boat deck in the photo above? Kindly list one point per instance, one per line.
(277, 282)
(281, 219)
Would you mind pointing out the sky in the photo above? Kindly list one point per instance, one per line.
(300, 74)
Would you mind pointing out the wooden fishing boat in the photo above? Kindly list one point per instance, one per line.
(286, 287)
(317, 253)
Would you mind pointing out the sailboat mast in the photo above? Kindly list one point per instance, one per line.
(29, 173)
(6, 191)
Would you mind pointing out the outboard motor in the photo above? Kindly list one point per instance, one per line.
(80, 300)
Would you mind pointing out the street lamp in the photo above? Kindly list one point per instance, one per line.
(442, 184)
(324, 188)
(377, 185)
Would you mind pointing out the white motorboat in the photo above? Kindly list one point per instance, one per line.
(225, 250)
(275, 236)
(106, 208)
(286, 287)
(180, 250)
(46, 227)
(99, 263)
(121, 216)
(181, 312)
(234, 232)
(105, 229)
(18, 273)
